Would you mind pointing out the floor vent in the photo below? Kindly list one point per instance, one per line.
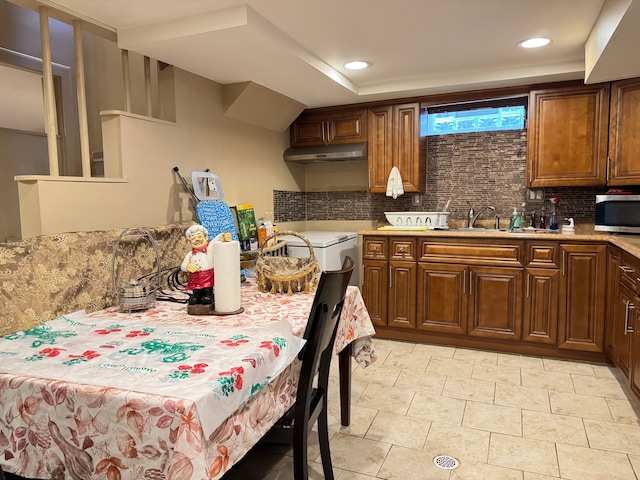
(446, 462)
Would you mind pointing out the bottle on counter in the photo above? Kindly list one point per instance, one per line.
(514, 219)
(553, 214)
(543, 225)
(517, 219)
(553, 221)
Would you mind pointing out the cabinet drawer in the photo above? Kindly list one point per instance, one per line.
(402, 248)
(629, 271)
(543, 254)
(374, 248)
(454, 251)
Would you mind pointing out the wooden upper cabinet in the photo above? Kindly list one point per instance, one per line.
(314, 128)
(380, 147)
(624, 141)
(567, 137)
(394, 141)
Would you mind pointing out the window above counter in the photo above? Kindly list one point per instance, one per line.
(478, 116)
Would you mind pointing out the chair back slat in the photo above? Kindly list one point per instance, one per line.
(331, 290)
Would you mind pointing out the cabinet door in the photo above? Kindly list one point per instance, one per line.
(380, 147)
(624, 330)
(582, 292)
(347, 127)
(495, 302)
(394, 141)
(327, 127)
(541, 305)
(611, 308)
(375, 287)
(567, 137)
(309, 130)
(406, 146)
(634, 376)
(442, 297)
(402, 294)
(624, 141)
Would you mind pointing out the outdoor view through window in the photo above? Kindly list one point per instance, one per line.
(472, 120)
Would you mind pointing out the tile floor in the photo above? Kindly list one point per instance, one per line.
(502, 416)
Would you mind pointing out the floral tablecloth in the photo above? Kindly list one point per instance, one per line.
(139, 412)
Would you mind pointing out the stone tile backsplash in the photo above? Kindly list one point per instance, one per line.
(487, 168)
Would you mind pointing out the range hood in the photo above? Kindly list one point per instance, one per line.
(326, 153)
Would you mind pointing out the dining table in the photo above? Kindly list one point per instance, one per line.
(160, 394)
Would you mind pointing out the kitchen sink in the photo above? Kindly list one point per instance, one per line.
(476, 229)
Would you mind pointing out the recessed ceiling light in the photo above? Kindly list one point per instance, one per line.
(534, 42)
(357, 65)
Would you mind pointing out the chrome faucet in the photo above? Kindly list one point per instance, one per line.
(474, 216)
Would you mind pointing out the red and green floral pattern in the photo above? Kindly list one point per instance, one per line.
(61, 429)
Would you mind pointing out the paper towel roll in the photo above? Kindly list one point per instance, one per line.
(226, 267)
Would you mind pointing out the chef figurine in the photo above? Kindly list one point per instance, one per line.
(198, 263)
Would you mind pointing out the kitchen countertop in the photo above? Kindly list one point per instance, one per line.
(627, 242)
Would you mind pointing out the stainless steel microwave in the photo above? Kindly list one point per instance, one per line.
(618, 213)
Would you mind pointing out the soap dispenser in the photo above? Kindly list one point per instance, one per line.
(514, 220)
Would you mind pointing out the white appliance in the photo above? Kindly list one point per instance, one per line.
(330, 249)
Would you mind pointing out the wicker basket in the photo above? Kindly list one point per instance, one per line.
(288, 275)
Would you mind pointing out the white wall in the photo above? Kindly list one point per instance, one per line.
(247, 159)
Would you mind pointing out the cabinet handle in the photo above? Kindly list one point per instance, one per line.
(528, 275)
(390, 278)
(564, 254)
(369, 179)
(530, 171)
(606, 172)
(470, 282)
(628, 308)
(626, 269)
(464, 282)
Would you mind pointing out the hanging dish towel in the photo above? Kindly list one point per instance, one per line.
(394, 184)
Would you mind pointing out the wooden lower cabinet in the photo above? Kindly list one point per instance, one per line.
(624, 329)
(535, 297)
(495, 302)
(442, 297)
(582, 297)
(470, 300)
(540, 323)
(375, 289)
(634, 375)
(402, 294)
(613, 280)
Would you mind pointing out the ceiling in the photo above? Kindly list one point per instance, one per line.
(417, 47)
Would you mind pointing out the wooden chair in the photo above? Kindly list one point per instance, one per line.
(311, 403)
